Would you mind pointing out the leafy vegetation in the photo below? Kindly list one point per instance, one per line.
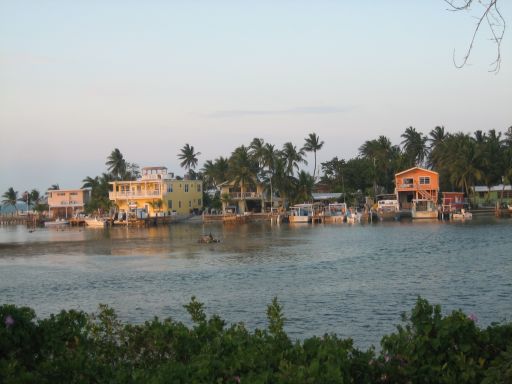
(74, 347)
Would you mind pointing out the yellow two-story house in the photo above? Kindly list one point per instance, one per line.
(157, 192)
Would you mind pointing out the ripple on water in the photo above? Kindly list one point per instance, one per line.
(354, 281)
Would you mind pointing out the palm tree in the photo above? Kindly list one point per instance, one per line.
(188, 157)
(116, 164)
(293, 157)
(436, 138)
(313, 144)
(215, 172)
(305, 185)
(90, 182)
(243, 170)
(54, 187)
(257, 150)
(462, 161)
(385, 158)
(415, 146)
(35, 196)
(10, 198)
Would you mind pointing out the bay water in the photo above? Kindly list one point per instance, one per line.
(352, 280)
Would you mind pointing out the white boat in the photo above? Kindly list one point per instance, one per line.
(462, 215)
(335, 213)
(387, 207)
(56, 223)
(303, 213)
(353, 216)
(95, 222)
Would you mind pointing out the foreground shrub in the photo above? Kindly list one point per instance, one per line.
(74, 347)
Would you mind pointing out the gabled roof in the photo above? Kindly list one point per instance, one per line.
(416, 168)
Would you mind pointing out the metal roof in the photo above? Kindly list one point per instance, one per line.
(326, 196)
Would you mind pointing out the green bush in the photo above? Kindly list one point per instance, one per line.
(75, 347)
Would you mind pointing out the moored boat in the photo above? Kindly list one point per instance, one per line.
(95, 222)
(387, 207)
(56, 223)
(303, 213)
(462, 215)
(335, 213)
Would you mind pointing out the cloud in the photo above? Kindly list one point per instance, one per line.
(309, 110)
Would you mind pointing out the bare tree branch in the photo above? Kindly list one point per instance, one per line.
(494, 20)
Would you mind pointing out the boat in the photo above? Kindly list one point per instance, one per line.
(424, 209)
(462, 215)
(95, 222)
(303, 213)
(353, 216)
(56, 223)
(208, 239)
(335, 213)
(387, 207)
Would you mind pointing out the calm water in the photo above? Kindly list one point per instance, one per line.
(351, 280)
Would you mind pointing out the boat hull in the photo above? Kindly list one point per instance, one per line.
(299, 219)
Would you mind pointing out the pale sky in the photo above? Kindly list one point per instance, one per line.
(80, 78)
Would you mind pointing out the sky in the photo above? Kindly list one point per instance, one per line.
(80, 78)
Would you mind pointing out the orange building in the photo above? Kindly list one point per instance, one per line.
(64, 203)
(417, 189)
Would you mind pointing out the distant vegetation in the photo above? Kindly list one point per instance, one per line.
(74, 347)
(462, 160)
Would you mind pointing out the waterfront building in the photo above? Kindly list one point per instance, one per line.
(65, 203)
(253, 198)
(417, 190)
(159, 193)
(484, 196)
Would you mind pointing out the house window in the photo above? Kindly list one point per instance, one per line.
(169, 204)
(189, 204)
(198, 187)
(179, 204)
(199, 202)
(424, 180)
(408, 181)
(186, 187)
(61, 194)
(74, 193)
(169, 188)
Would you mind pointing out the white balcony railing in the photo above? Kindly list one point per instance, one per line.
(245, 195)
(133, 194)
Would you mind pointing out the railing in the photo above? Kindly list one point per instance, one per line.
(133, 194)
(245, 195)
(64, 203)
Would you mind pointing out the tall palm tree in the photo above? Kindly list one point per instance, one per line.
(462, 161)
(415, 146)
(215, 172)
(116, 164)
(256, 149)
(313, 144)
(436, 137)
(491, 151)
(243, 171)
(293, 157)
(54, 187)
(385, 158)
(305, 185)
(10, 198)
(188, 157)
